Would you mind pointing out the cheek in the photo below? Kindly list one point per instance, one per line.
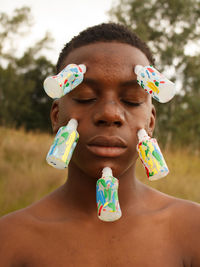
(67, 111)
(139, 119)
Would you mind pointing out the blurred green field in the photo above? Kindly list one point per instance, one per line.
(26, 177)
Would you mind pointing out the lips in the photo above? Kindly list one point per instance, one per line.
(104, 146)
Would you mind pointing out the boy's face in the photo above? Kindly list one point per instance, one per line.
(109, 105)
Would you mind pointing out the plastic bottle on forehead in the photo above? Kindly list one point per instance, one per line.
(65, 81)
(155, 83)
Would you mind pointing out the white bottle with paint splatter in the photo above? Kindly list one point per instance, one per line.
(108, 207)
(65, 141)
(151, 156)
(155, 83)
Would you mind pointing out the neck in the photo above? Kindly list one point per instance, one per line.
(80, 191)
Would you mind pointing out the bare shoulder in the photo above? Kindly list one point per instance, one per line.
(186, 216)
(15, 230)
(184, 213)
(189, 210)
(20, 231)
(176, 207)
(183, 218)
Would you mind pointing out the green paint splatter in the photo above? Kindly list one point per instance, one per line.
(157, 156)
(147, 148)
(102, 181)
(112, 179)
(65, 135)
(99, 205)
(105, 193)
(151, 174)
(115, 196)
(109, 194)
(112, 206)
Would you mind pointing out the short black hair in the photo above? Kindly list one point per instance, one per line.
(105, 32)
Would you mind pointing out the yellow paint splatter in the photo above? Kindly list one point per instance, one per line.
(69, 143)
(106, 204)
(153, 87)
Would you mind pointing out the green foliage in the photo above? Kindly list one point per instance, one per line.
(23, 101)
(12, 27)
(170, 27)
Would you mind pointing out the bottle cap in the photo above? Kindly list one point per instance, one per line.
(83, 68)
(72, 124)
(107, 171)
(137, 69)
(142, 134)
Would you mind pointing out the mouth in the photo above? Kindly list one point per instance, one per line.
(112, 146)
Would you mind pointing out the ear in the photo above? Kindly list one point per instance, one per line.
(54, 116)
(152, 121)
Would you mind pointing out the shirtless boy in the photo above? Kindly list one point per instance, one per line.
(62, 229)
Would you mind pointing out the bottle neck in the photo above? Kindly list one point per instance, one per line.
(72, 124)
(142, 135)
(107, 172)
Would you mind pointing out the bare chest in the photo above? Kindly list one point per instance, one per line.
(143, 245)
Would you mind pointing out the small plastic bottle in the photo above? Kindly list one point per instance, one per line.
(65, 81)
(107, 197)
(155, 83)
(151, 156)
(65, 141)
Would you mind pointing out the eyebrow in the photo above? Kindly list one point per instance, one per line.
(91, 81)
(130, 83)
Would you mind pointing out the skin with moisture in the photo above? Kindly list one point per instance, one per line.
(63, 228)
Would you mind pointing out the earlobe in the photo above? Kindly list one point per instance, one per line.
(54, 116)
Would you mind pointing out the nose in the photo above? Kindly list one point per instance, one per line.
(109, 113)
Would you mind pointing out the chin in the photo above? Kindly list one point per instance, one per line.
(94, 169)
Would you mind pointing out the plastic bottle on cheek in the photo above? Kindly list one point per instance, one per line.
(151, 156)
(65, 141)
(107, 197)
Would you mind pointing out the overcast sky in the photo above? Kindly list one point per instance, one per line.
(62, 18)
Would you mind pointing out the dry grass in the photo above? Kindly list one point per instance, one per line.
(25, 176)
(183, 181)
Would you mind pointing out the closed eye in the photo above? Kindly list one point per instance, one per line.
(132, 104)
(84, 101)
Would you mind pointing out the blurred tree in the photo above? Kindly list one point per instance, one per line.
(172, 30)
(22, 98)
(11, 28)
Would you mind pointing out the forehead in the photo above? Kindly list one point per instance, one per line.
(109, 57)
